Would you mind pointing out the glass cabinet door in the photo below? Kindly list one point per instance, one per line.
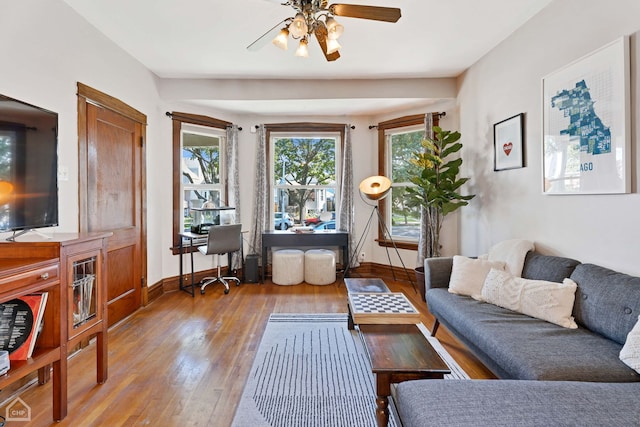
(84, 291)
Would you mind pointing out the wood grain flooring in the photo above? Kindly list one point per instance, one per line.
(184, 361)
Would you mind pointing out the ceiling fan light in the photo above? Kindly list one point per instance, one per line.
(334, 29)
(282, 39)
(303, 48)
(332, 46)
(298, 27)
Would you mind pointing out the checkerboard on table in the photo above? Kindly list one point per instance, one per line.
(392, 307)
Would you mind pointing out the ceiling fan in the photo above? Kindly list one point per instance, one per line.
(315, 17)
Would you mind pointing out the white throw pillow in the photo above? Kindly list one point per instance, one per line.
(549, 301)
(467, 275)
(630, 353)
(512, 253)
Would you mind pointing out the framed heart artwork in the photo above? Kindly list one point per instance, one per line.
(508, 141)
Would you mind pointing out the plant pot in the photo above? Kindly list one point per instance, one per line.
(420, 281)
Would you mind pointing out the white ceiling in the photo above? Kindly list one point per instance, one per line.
(207, 39)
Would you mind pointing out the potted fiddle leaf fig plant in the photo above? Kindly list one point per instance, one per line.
(437, 183)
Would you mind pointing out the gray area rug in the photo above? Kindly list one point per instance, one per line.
(310, 370)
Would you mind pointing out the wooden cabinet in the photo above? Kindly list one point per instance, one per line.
(71, 268)
(85, 282)
(26, 276)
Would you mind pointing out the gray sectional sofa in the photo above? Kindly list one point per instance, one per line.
(580, 379)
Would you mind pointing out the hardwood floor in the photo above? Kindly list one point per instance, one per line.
(184, 360)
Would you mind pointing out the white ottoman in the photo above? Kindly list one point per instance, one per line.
(288, 267)
(319, 267)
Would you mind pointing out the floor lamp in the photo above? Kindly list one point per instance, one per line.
(372, 190)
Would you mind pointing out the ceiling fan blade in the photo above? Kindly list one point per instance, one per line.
(264, 39)
(321, 36)
(377, 13)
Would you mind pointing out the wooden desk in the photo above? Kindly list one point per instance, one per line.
(291, 239)
(398, 353)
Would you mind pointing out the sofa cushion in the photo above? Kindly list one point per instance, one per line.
(607, 302)
(513, 253)
(541, 299)
(522, 347)
(516, 403)
(548, 267)
(630, 353)
(467, 275)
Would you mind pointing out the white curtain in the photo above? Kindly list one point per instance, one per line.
(347, 214)
(233, 195)
(424, 243)
(262, 195)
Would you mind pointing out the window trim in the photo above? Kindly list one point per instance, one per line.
(400, 122)
(178, 119)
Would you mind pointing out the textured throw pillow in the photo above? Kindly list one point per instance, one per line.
(512, 253)
(630, 353)
(549, 301)
(467, 275)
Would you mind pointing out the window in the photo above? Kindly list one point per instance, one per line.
(198, 167)
(304, 174)
(400, 144)
(397, 139)
(201, 170)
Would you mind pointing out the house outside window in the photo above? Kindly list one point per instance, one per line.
(304, 177)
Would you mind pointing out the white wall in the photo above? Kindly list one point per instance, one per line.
(46, 49)
(602, 229)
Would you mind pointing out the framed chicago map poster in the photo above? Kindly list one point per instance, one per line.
(586, 124)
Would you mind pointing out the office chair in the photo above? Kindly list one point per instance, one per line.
(222, 239)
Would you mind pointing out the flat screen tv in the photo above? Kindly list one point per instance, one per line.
(28, 167)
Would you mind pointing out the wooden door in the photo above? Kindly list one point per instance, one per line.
(111, 193)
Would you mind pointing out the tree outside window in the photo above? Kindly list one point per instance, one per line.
(304, 177)
(397, 139)
(198, 145)
(201, 164)
(402, 220)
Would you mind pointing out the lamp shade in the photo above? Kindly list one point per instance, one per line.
(334, 29)
(298, 27)
(332, 46)
(281, 40)
(303, 50)
(375, 187)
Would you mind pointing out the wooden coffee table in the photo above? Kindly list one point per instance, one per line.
(398, 353)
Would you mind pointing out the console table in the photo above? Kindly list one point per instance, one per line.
(292, 239)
